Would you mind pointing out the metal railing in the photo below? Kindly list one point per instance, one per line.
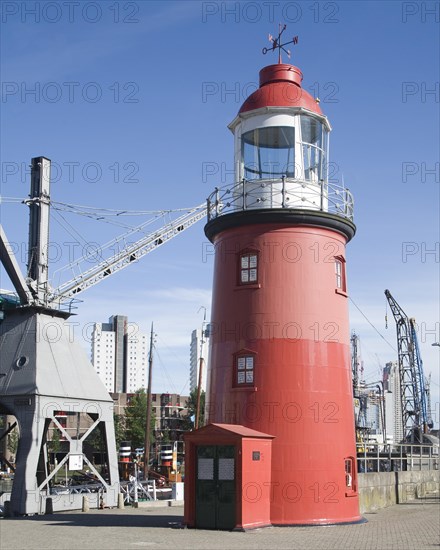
(76, 489)
(134, 490)
(373, 457)
(6, 485)
(284, 193)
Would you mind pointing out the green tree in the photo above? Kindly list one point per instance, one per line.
(136, 418)
(13, 439)
(54, 445)
(191, 405)
(165, 437)
(120, 429)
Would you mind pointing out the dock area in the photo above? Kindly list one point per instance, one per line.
(414, 525)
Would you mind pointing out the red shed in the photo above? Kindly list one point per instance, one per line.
(228, 478)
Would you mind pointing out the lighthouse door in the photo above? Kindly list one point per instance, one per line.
(215, 487)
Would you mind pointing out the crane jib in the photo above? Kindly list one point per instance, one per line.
(125, 256)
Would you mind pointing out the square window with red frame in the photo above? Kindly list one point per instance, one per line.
(244, 370)
(248, 268)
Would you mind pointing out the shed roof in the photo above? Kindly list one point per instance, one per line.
(225, 429)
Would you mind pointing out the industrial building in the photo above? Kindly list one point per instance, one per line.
(170, 410)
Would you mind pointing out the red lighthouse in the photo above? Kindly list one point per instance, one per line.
(280, 359)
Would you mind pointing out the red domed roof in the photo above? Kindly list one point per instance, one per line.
(280, 86)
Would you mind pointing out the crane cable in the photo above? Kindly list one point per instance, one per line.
(370, 323)
(77, 208)
(70, 229)
(180, 359)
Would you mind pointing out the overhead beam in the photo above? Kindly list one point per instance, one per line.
(12, 268)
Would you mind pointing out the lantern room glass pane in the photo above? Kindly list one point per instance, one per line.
(311, 130)
(313, 158)
(314, 140)
(269, 152)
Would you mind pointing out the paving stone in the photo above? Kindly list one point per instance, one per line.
(415, 525)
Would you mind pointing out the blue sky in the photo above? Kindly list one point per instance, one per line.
(135, 98)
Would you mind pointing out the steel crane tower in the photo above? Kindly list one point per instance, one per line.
(415, 414)
(42, 370)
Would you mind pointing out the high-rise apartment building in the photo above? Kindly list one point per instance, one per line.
(391, 383)
(199, 347)
(120, 355)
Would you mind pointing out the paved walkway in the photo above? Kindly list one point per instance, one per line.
(406, 526)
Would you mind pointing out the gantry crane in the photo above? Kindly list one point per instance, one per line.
(413, 393)
(40, 375)
(35, 289)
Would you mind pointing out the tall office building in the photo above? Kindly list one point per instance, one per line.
(120, 355)
(391, 382)
(199, 347)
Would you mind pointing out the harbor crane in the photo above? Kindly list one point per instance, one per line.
(41, 377)
(416, 418)
(35, 289)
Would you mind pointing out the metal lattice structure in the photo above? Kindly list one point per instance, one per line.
(412, 389)
(41, 373)
(355, 363)
(127, 253)
(422, 383)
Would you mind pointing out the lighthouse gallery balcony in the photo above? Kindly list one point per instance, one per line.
(281, 194)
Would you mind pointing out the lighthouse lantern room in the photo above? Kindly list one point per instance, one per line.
(280, 356)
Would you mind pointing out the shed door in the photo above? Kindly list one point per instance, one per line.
(215, 487)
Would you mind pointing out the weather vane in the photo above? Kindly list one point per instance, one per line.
(276, 43)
